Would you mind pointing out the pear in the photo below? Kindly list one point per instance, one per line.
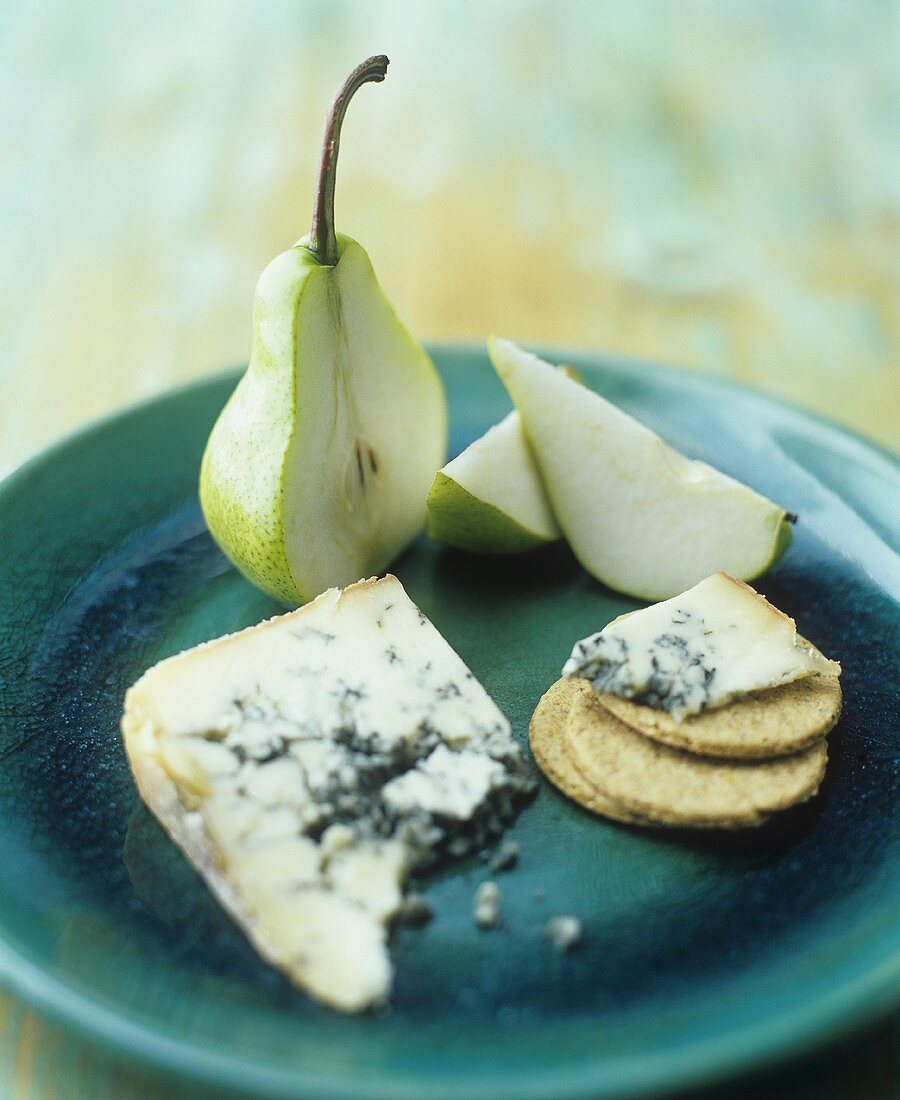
(490, 499)
(639, 516)
(316, 471)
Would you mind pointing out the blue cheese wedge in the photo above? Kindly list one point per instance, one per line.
(308, 764)
(713, 643)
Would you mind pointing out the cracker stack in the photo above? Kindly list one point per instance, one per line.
(727, 768)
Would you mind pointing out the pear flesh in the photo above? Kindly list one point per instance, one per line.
(639, 516)
(489, 499)
(316, 472)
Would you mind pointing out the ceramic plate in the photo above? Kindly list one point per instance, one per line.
(703, 954)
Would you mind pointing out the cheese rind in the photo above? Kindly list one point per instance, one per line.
(697, 651)
(307, 764)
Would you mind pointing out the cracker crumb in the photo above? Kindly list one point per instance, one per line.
(506, 857)
(564, 932)
(486, 906)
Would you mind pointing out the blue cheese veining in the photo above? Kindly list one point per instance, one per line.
(306, 765)
(699, 650)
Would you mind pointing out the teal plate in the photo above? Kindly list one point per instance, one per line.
(703, 954)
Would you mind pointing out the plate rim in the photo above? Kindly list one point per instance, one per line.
(865, 997)
(707, 1062)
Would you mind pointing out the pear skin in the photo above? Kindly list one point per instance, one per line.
(458, 519)
(490, 499)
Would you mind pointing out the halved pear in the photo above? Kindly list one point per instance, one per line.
(316, 472)
(639, 516)
(490, 499)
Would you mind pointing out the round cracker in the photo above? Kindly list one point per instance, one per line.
(673, 787)
(546, 735)
(776, 722)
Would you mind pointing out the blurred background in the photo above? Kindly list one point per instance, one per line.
(715, 185)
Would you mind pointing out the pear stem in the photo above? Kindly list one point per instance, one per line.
(322, 239)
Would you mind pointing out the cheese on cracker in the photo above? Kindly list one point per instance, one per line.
(716, 642)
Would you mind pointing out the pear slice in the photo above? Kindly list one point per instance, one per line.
(490, 499)
(639, 516)
(316, 472)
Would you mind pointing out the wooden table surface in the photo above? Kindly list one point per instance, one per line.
(711, 185)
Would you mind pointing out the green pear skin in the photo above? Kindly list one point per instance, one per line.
(462, 521)
(490, 499)
(639, 516)
(316, 471)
